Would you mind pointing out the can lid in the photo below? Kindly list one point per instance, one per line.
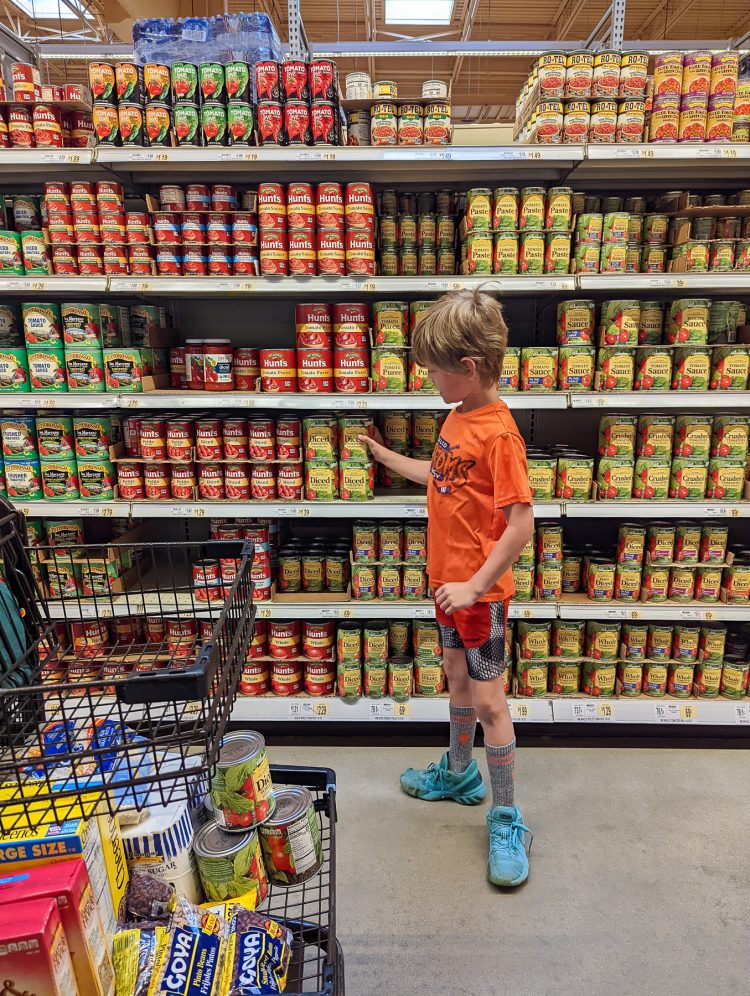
(291, 803)
(213, 842)
(239, 746)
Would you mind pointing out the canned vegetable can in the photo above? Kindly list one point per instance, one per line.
(290, 839)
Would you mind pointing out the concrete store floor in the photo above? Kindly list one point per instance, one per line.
(638, 886)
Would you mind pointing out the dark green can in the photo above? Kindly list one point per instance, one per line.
(211, 81)
(237, 81)
(184, 83)
(186, 122)
(240, 122)
(214, 124)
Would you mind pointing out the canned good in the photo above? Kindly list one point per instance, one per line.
(219, 854)
(534, 639)
(688, 479)
(539, 368)
(576, 368)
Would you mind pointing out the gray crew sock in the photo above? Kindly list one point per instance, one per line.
(463, 727)
(500, 762)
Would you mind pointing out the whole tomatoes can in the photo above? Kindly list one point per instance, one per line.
(242, 790)
(290, 839)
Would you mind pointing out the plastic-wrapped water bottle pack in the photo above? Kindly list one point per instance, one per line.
(224, 38)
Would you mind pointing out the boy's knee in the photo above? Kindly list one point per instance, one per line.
(454, 665)
(489, 711)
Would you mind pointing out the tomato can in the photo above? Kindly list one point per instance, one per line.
(300, 207)
(278, 370)
(271, 129)
(323, 123)
(323, 80)
(314, 370)
(267, 81)
(297, 122)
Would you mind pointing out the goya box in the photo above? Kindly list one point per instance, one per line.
(539, 368)
(34, 955)
(85, 370)
(123, 369)
(47, 369)
(14, 371)
(69, 885)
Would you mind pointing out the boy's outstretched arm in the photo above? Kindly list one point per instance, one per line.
(414, 470)
(456, 595)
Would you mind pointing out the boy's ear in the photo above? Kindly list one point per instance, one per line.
(469, 365)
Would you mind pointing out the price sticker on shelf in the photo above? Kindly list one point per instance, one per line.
(102, 511)
(388, 709)
(48, 403)
(192, 708)
(312, 154)
(263, 611)
(188, 511)
(245, 401)
(349, 403)
(742, 715)
(24, 509)
(688, 712)
(728, 511)
(416, 511)
(675, 712)
(61, 157)
(309, 709)
(423, 611)
(520, 711)
(605, 710)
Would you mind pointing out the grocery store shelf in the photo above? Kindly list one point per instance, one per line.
(38, 165)
(316, 402)
(736, 281)
(661, 399)
(384, 506)
(579, 606)
(53, 285)
(649, 164)
(62, 509)
(293, 286)
(650, 509)
(685, 712)
(333, 162)
(60, 399)
(274, 708)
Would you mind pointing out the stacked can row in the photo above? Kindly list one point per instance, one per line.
(212, 104)
(602, 659)
(681, 562)
(78, 369)
(49, 324)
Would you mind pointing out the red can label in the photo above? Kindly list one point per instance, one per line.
(329, 205)
(322, 80)
(245, 229)
(274, 254)
(331, 252)
(195, 261)
(302, 254)
(297, 123)
(197, 196)
(168, 261)
(290, 482)
(278, 370)
(208, 439)
(294, 84)
(115, 259)
(323, 124)
(271, 124)
(152, 439)
(219, 261)
(183, 482)
(300, 207)
(263, 482)
(288, 439)
(236, 439)
(219, 230)
(360, 252)
(246, 368)
(360, 207)
(237, 482)
(63, 260)
(193, 228)
(180, 439)
(211, 481)
(90, 260)
(256, 675)
(351, 370)
(141, 261)
(315, 371)
(267, 82)
(223, 197)
(246, 262)
(156, 481)
(130, 482)
(261, 439)
(318, 640)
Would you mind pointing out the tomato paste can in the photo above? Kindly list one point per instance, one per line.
(314, 370)
(323, 128)
(267, 81)
(278, 370)
(271, 128)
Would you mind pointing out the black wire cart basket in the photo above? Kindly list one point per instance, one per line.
(119, 667)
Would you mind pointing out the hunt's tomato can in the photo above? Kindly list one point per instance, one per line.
(261, 439)
(219, 261)
(271, 124)
(331, 252)
(180, 636)
(267, 81)
(211, 481)
(235, 439)
(256, 675)
(137, 228)
(183, 481)
(237, 482)
(351, 323)
(180, 439)
(329, 205)
(274, 253)
(196, 197)
(195, 261)
(262, 482)
(323, 124)
(288, 438)
(315, 371)
(245, 262)
(272, 208)
(313, 325)
(318, 640)
(294, 84)
(218, 230)
(303, 257)
(300, 207)
(278, 371)
(168, 261)
(166, 228)
(245, 228)
(47, 127)
(130, 481)
(351, 370)
(156, 481)
(323, 80)
(289, 482)
(297, 123)
(359, 209)
(208, 439)
(64, 261)
(223, 197)
(246, 368)
(152, 439)
(360, 252)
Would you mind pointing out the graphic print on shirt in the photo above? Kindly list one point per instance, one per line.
(449, 470)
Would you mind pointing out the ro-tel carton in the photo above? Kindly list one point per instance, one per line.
(68, 883)
(97, 841)
(34, 954)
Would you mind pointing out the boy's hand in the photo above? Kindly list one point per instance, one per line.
(457, 595)
(376, 445)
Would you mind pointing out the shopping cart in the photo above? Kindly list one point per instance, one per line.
(119, 666)
(309, 910)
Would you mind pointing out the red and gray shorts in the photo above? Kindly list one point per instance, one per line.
(480, 632)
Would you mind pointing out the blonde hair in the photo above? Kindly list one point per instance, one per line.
(466, 323)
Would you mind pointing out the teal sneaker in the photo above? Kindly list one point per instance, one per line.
(439, 782)
(508, 862)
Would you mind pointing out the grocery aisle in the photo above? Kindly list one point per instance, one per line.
(637, 883)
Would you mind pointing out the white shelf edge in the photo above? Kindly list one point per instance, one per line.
(648, 509)
(660, 399)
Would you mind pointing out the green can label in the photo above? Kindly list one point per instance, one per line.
(47, 370)
(23, 479)
(211, 81)
(186, 124)
(42, 325)
(14, 371)
(240, 123)
(214, 123)
(184, 82)
(60, 480)
(237, 81)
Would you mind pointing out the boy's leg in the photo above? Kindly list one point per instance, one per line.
(499, 739)
(463, 717)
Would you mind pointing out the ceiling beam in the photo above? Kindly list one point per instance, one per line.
(565, 18)
(740, 28)
(676, 15)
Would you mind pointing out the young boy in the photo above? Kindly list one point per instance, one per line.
(479, 519)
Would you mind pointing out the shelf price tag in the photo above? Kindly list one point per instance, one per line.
(263, 611)
(101, 511)
(388, 709)
(742, 714)
(416, 511)
(61, 157)
(290, 511)
(587, 712)
(309, 709)
(675, 712)
(520, 711)
(349, 403)
(188, 511)
(728, 511)
(423, 611)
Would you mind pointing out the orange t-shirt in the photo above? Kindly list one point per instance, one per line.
(478, 467)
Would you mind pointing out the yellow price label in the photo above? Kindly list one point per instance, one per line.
(74, 159)
(37, 285)
(251, 156)
(264, 612)
(23, 509)
(680, 282)
(347, 613)
(535, 155)
(729, 153)
(104, 611)
(320, 709)
(106, 512)
(521, 710)
(734, 512)
(526, 613)
(456, 285)
(605, 710)
(369, 285)
(48, 402)
(161, 157)
(635, 614)
(709, 616)
(199, 512)
(143, 285)
(401, 710)
(303, 513)
(688, 712)
(329, 155)
(130, 403)
(647, 153)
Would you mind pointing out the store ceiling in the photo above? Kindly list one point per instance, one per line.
(482, 89)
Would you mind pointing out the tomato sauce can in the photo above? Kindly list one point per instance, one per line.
(271, 128)
(267, 81)
(323, 124)
(300, 207)
(323, 79)
(360, 252)
(331, 252)
(359, 207)
(297, 123)
(156, 82)
(246, 361)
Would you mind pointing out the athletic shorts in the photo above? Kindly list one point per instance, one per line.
(480, 631)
